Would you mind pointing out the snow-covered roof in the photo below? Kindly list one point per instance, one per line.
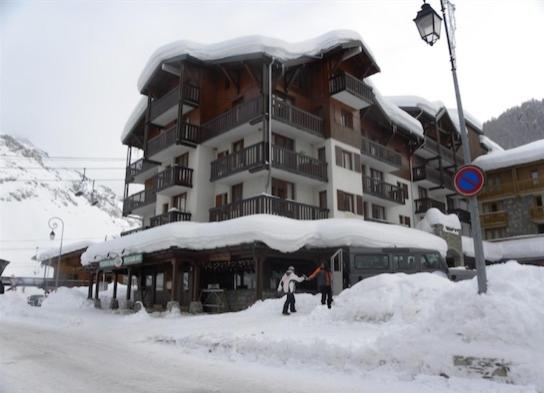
(489, 144)
(513, 248)
(136, 114)
(520, 155)
(396, 115)
(434, 216)
(66, 249)
(279, 233)
(470, 119)
(248, 45)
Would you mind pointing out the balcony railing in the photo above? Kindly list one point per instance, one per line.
(525, 185)
(189, 134)
(296, 117)
(245, 159)
(191, 95)
(138, 200)
(494, 219)
(131, 231)
(352, 85)
(301, 164)
(380, 152)
(138, 167)
(464, 215)
(174, 176)
(266, 204)
(443, 178)
(537, 213)
(240, 114)
(167, 218)
(424, 204)
(383, 190)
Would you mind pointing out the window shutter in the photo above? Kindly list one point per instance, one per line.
(359, 205)
(338, 154)
(340, 197)
(357, 162)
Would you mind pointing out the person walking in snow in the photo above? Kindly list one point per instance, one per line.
(324, 283)
(288, 285)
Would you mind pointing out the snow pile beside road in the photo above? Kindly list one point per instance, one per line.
(66, 299)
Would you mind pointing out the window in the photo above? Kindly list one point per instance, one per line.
(164, 208)
(180, 201)
(346, 160)
(365, 209)
(222, 154)
(406, 263)
(422, 192)
(377, 261)
(238, 146)
(378, 212)
(323, 199)
(431, 261)
(221, 199)
(404, 220)
(535, 177)
(283, 142)
(182, 160)
(345, 202)
(493, 182)
(538, 201)
(237, 192)
(346, 118)
(159, 282)
(376, 174)
(404, 188)
(283, 189)
(321, 154)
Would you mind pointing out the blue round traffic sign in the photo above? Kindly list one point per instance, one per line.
(469, 180)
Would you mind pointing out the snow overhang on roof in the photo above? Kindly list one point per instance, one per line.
(278, 233)
(251, 47)
(524, 154)
(137, 113)
(396, 115)
(489, 144)
(66, 249)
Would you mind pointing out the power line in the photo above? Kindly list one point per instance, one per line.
(56, 180)
(65, 167)
(82, 158)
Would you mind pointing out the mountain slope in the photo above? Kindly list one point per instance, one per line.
(31, 192)
(518, 125)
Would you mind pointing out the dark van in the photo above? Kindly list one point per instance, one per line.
(367, 262)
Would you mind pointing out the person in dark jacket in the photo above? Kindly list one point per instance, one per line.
(324, 283)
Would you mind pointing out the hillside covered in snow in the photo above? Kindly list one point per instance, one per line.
(32, 190)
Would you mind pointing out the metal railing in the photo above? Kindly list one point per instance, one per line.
(174, 176)
(140, 199)
(266, 204)
(383, 190)
(442, 178)
(298, 163)
(352, 85)
(380, 152)
(191, 95)
(189, 134)
(131, 231)
(245, 159)
(171, 216)
(296, 117)
(138, 167)
(424, 204)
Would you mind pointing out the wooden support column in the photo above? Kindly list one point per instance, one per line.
(154, 288)
(90, 294)
(259, 282)
(196, 282)
(175, 281)
(147, 123)
(181, 99)
(97, 282)
(115, 278)
(129, 283)
(141, 280)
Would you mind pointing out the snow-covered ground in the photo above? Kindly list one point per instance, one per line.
(390, 333)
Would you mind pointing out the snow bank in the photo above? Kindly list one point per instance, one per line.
(66, 249)
(279, 233)
(530, 152)
(514, 248)
(279, 49)
(492, 251)
(433, 216)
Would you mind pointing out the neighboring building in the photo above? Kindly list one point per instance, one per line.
(512, 202)
(71, 271)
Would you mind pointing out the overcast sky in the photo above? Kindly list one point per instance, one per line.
(69, 69)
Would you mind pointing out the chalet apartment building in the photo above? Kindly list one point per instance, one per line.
(200, 141)
(512, 202)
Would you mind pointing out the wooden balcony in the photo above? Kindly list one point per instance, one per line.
(424, 204)
(167, 218)
(266, 204)
(297, 118)
(494, 219)
(174, 180)
(140, 170)
(537, 214)
(381, 156)
(139, 200)
(464, 215)
(165, 109)
(383, 190)
(430, 177)
(529, 185)
(254, 157)
(351, 91)
(188, 135)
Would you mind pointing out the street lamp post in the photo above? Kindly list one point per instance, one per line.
(53, 224)
(428, 24)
